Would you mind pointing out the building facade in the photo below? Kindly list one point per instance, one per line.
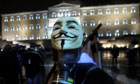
(117, 20)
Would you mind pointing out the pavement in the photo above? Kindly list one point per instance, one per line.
(121, 72)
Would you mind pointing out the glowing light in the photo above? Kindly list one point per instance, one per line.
(107, 45)
(136, 46)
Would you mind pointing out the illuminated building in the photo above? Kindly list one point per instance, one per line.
(118, 20)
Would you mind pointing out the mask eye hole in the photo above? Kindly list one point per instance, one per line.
(56, 28)
(71, 27)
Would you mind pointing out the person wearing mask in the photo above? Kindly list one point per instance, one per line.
(73, 66)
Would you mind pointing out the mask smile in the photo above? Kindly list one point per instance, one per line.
(63, 36)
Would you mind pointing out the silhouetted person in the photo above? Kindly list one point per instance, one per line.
(11, 65)
(2, 67)
(20, 50)
(115, 54)
(32, 62)
(131, 55)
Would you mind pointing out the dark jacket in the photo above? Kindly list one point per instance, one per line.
(85, 71)
(32, 62)
(88, 73)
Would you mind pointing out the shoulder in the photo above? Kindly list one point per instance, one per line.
(85, 58)
(98, 76)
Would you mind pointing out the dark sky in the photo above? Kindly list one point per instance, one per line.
(11, 6)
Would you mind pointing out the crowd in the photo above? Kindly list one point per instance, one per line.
(20, 65)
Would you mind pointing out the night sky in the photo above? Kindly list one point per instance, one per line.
(12, 6)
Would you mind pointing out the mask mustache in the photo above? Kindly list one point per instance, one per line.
(63, 34)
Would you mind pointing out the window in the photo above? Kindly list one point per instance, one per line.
(31, 26)
(100, 12)
(24, 27)
(73, 13)
(38, 26)
(91, 12)
(18, 37)
(13, 38)
(100, 34)
(44, 15)
(116, 11)
(85, 34)
(25, 38)
(12, 18)
(63, 13)
(53, 14)
(31, 17)
(125, 21)
(124, 10)
(18, 18)
(133, 21)
(108, 33)
(100, 22)
(117, 33)
(108, 22)
(92, 23)
(12, 28)
(45, 36)
(125, 32)
(18, 28)
(5, 28)
(79, 13)
(25, 17)
(133, 32)
(38, 37)
(108, 11)
(84, 23)
(45, 26)
(5, 19)
(31, 37)
(116, 22)
(37, 16)
(84, 12)
(60, 14)
(133, 10)
(66, 12)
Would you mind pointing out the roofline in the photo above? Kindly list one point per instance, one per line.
(62, 3)
(22, 13)
(119, 5)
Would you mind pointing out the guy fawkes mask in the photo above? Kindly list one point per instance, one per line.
(67, 34)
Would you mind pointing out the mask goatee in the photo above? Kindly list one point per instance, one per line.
(62, 44)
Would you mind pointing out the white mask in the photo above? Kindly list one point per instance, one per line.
(66, 34)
